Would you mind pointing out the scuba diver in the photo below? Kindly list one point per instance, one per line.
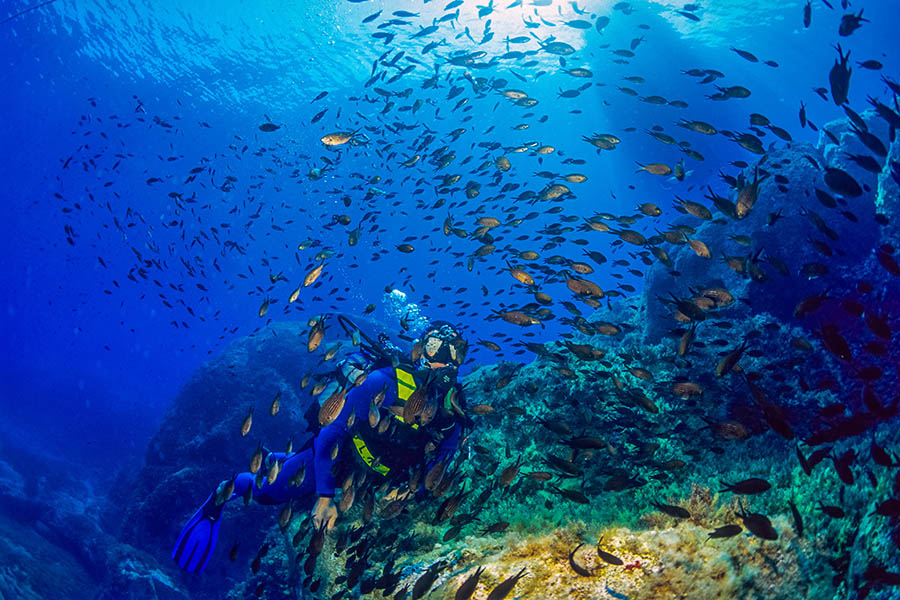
(383, 446)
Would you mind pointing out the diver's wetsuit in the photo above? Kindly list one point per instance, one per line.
(398, 452)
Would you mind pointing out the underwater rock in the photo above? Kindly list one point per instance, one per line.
(811, 239)
(45, 495)
(34, 568)
(884, 186)
(134, 575)
(887, 198)
(11, 483)
(676, 562)
(850, 143)
(51, 541)
(634, 457)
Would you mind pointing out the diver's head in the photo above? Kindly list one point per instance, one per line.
(443, 346)
(443, 351)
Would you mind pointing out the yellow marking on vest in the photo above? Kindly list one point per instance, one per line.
(400, 418)
(406, 385)
(367, 457)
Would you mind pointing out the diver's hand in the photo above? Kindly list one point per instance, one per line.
(325, 512)
(445, 377)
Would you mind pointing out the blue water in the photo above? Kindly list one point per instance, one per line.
(98, 97)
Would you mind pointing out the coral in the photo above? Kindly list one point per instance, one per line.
(674, 562)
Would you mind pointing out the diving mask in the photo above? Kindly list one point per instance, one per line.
(444, 345)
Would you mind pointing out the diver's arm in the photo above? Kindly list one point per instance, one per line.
(337, 432)
(444, 452)
(446, 449)
(325, 512)
(323, 448)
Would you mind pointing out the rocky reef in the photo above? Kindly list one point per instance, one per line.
(789, 253)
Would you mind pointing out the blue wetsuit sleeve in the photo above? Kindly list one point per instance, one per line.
(444, 452)
(322, 450)
(447, 448)
(337, 432)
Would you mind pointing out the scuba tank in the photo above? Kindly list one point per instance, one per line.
(371, 356)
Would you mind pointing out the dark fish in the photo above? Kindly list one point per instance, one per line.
(556, 426)
(798, 520)
(804, 463)
(607, 557)
(841, 182)
(467, 588)
(372, 17)
(870, 141)
(839, 77)
(877, 574)
(578, 24)
(745, 55)
(585, 443)
(835, 342)
(850, 23)
(573, 495)
(874, 65)
(730, 360)
(317, 541)
(842, 466)
(498, 527)
(888, 508)
(452, 533)
(880, 456)
(865, 161)
(426, 580)
(725, 531)
(835, 512)
(759, 525)
(505, 587)
(819, 455)
(754, 485)
(886, 260)
(577, 567)
(672, 511)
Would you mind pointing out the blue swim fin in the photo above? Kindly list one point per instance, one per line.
(198, 539)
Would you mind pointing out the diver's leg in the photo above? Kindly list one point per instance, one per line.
(291, 484)
(198, 538)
